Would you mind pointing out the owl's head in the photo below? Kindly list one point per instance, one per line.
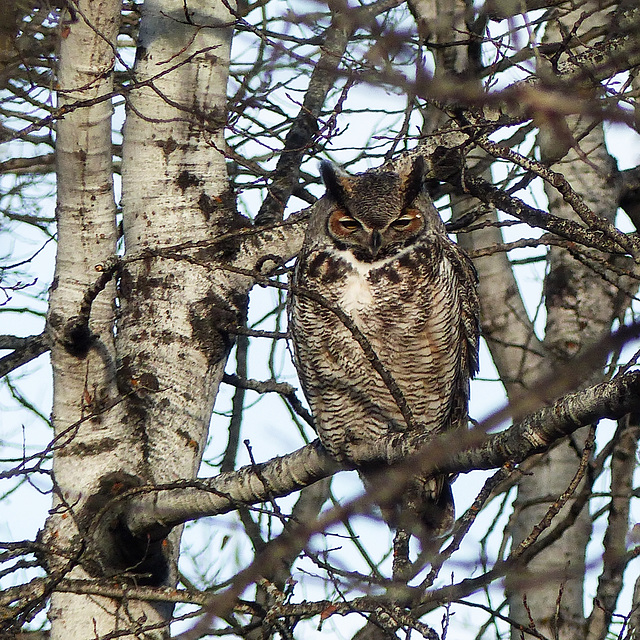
(378, 213)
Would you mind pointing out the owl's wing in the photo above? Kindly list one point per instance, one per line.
(470, 304)
(468, 325)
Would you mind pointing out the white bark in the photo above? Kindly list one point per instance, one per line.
(84, 380)
(169, 356)
(171, 342)
(175, 189)
(580, 309)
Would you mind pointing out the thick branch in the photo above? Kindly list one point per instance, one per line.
(221, 494)
(450, 453)
(540, 430)
(304, 128)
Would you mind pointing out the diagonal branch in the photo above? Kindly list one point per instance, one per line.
(568, 229)
(594, 222)
(305, 125)
(24, 350)
(450, 453)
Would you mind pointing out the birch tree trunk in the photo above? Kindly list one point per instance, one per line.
(139, 408)
(171, 353)
(581, 307)
(89, 443)
(171, 349)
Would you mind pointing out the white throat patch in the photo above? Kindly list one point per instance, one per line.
(356, 295)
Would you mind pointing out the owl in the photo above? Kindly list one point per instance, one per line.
(377, 261)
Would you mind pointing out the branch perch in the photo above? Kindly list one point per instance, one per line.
(150, 507)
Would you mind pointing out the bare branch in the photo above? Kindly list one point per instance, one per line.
(449, 453)
(24, 350)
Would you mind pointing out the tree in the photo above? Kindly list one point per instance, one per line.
(516, 109)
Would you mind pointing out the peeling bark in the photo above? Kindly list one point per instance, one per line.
(172, 344)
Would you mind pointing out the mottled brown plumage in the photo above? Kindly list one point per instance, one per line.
(377, 250)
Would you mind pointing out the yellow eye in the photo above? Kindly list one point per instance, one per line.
(402, 222)
(349, 223)
(410, 220)
(341, 224)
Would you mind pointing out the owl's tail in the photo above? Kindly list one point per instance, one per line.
(425, 507)
(428, 503)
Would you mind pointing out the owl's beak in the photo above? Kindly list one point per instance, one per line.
(376, 242)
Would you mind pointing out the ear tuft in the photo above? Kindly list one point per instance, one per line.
(334, 180)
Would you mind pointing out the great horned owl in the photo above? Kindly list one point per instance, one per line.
(377, 250)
